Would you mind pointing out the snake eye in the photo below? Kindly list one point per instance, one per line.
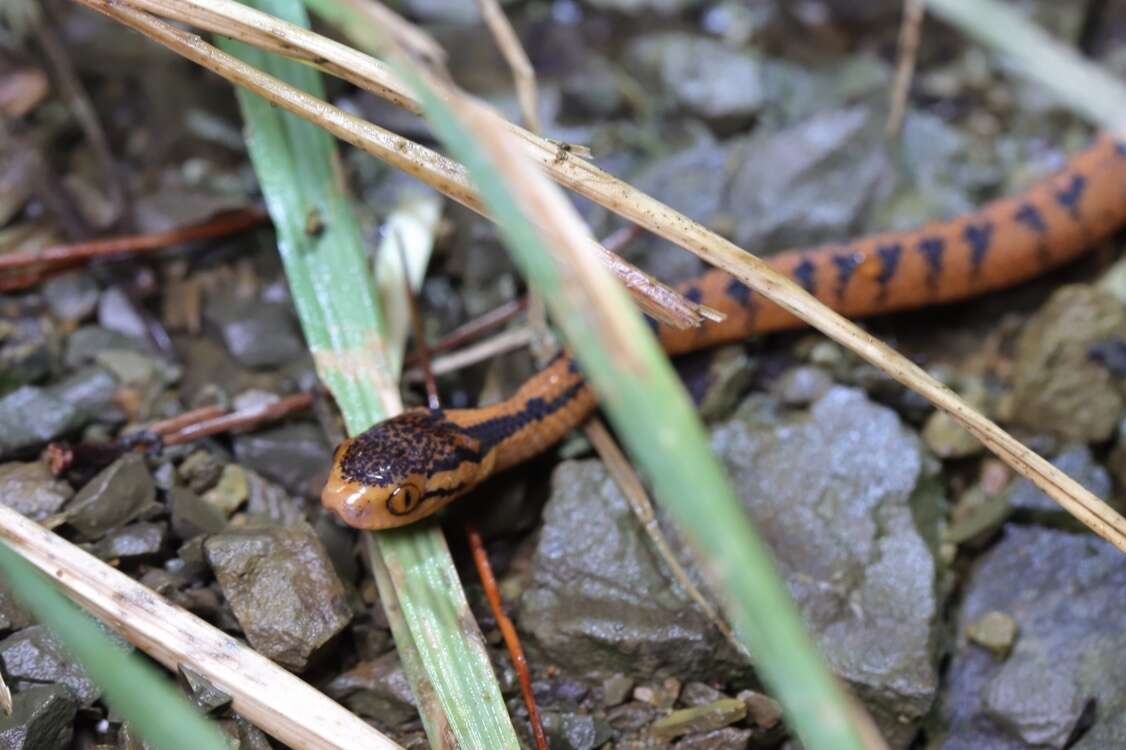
(404, 500)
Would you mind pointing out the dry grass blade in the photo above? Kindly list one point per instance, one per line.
(523, 74)
(503, 342)
(909, 32)
(273, 699)
(600, 187)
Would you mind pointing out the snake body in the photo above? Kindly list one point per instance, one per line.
(411, 465)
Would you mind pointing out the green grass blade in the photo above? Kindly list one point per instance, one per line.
(446, 662)
(146, 698)
(654, 417)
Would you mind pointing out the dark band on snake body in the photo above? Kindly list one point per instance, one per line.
(407, 467)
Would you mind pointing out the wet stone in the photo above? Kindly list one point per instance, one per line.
(599, 602)
(282, 588)
(570, 731)
(229, 492)
(31, 490)
(28, 351)
(699, 694)
(30, 416)
(201, 470)
(71, 296)
(33, 657)
(376, 689)
(204, 694)
(706, 77)
(995, 631)
(1067, 667)
(132, 540)
(1077, 462)
(91, 392)
(703, 718)
(1058, 387)
(122, 492)
(256, 333)
(84, 345)
(117, 313)
(843, 495)
(763, 710)
(42, 719)
(191, 516)
(295, 456)
(616, 689)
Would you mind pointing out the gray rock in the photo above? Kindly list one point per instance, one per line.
(1077, 463)
(30, 416)
(29, 351)
(133, 540)
(843, 496)
(256, 333)
(706, 77)
(42, 719)
(271, 501)
(376, 689)
(91, 392)
(204, 693)
(699, 694)
(31, 489)
(801, 386)
(122, 492)
(1064, 591)
(84, 345)
(570, 731)
(727, 738)
(599, 601)
(116, 312)
(201, 470)
(191, 516)
(810, 183)
(295, 456)
(282, 588)
(34, 657)
(1057, 387)
(71, 296)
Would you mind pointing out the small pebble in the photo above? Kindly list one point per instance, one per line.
(995, 631)
(700, 718)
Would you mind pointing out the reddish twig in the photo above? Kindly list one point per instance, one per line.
(475, 328)
(185, 420)
(240, 419)
(511, 640)
(76, 252)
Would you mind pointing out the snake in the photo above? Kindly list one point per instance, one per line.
(408, 467)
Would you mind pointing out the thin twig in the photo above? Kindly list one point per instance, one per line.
(240, 420)
(276, 701)
(503, 342)
(508, 630)
(523, 74)
(634, 491)
(76, 252)
(474, 329)
(185, 420)
(909, 31)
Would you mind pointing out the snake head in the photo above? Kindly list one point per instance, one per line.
(403, 469)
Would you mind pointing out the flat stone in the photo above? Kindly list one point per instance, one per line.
(843, 495)
(230, 491)
(42, 719)
(376, 689)
(257, 333)
(72, 295)
(728, 738)
(1077, 462)
(1058, 387)
(699, 694)
(117, 313)
(30, 416)
(295, 456)
(31, 490)
(282, 588)
(122, 492)
(1061, 684)
(191, 516)
(616, 689)
(33, 657)
(204, 694)
(91, 391)
(132, 540)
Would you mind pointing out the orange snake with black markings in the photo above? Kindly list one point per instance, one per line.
(411, 465)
